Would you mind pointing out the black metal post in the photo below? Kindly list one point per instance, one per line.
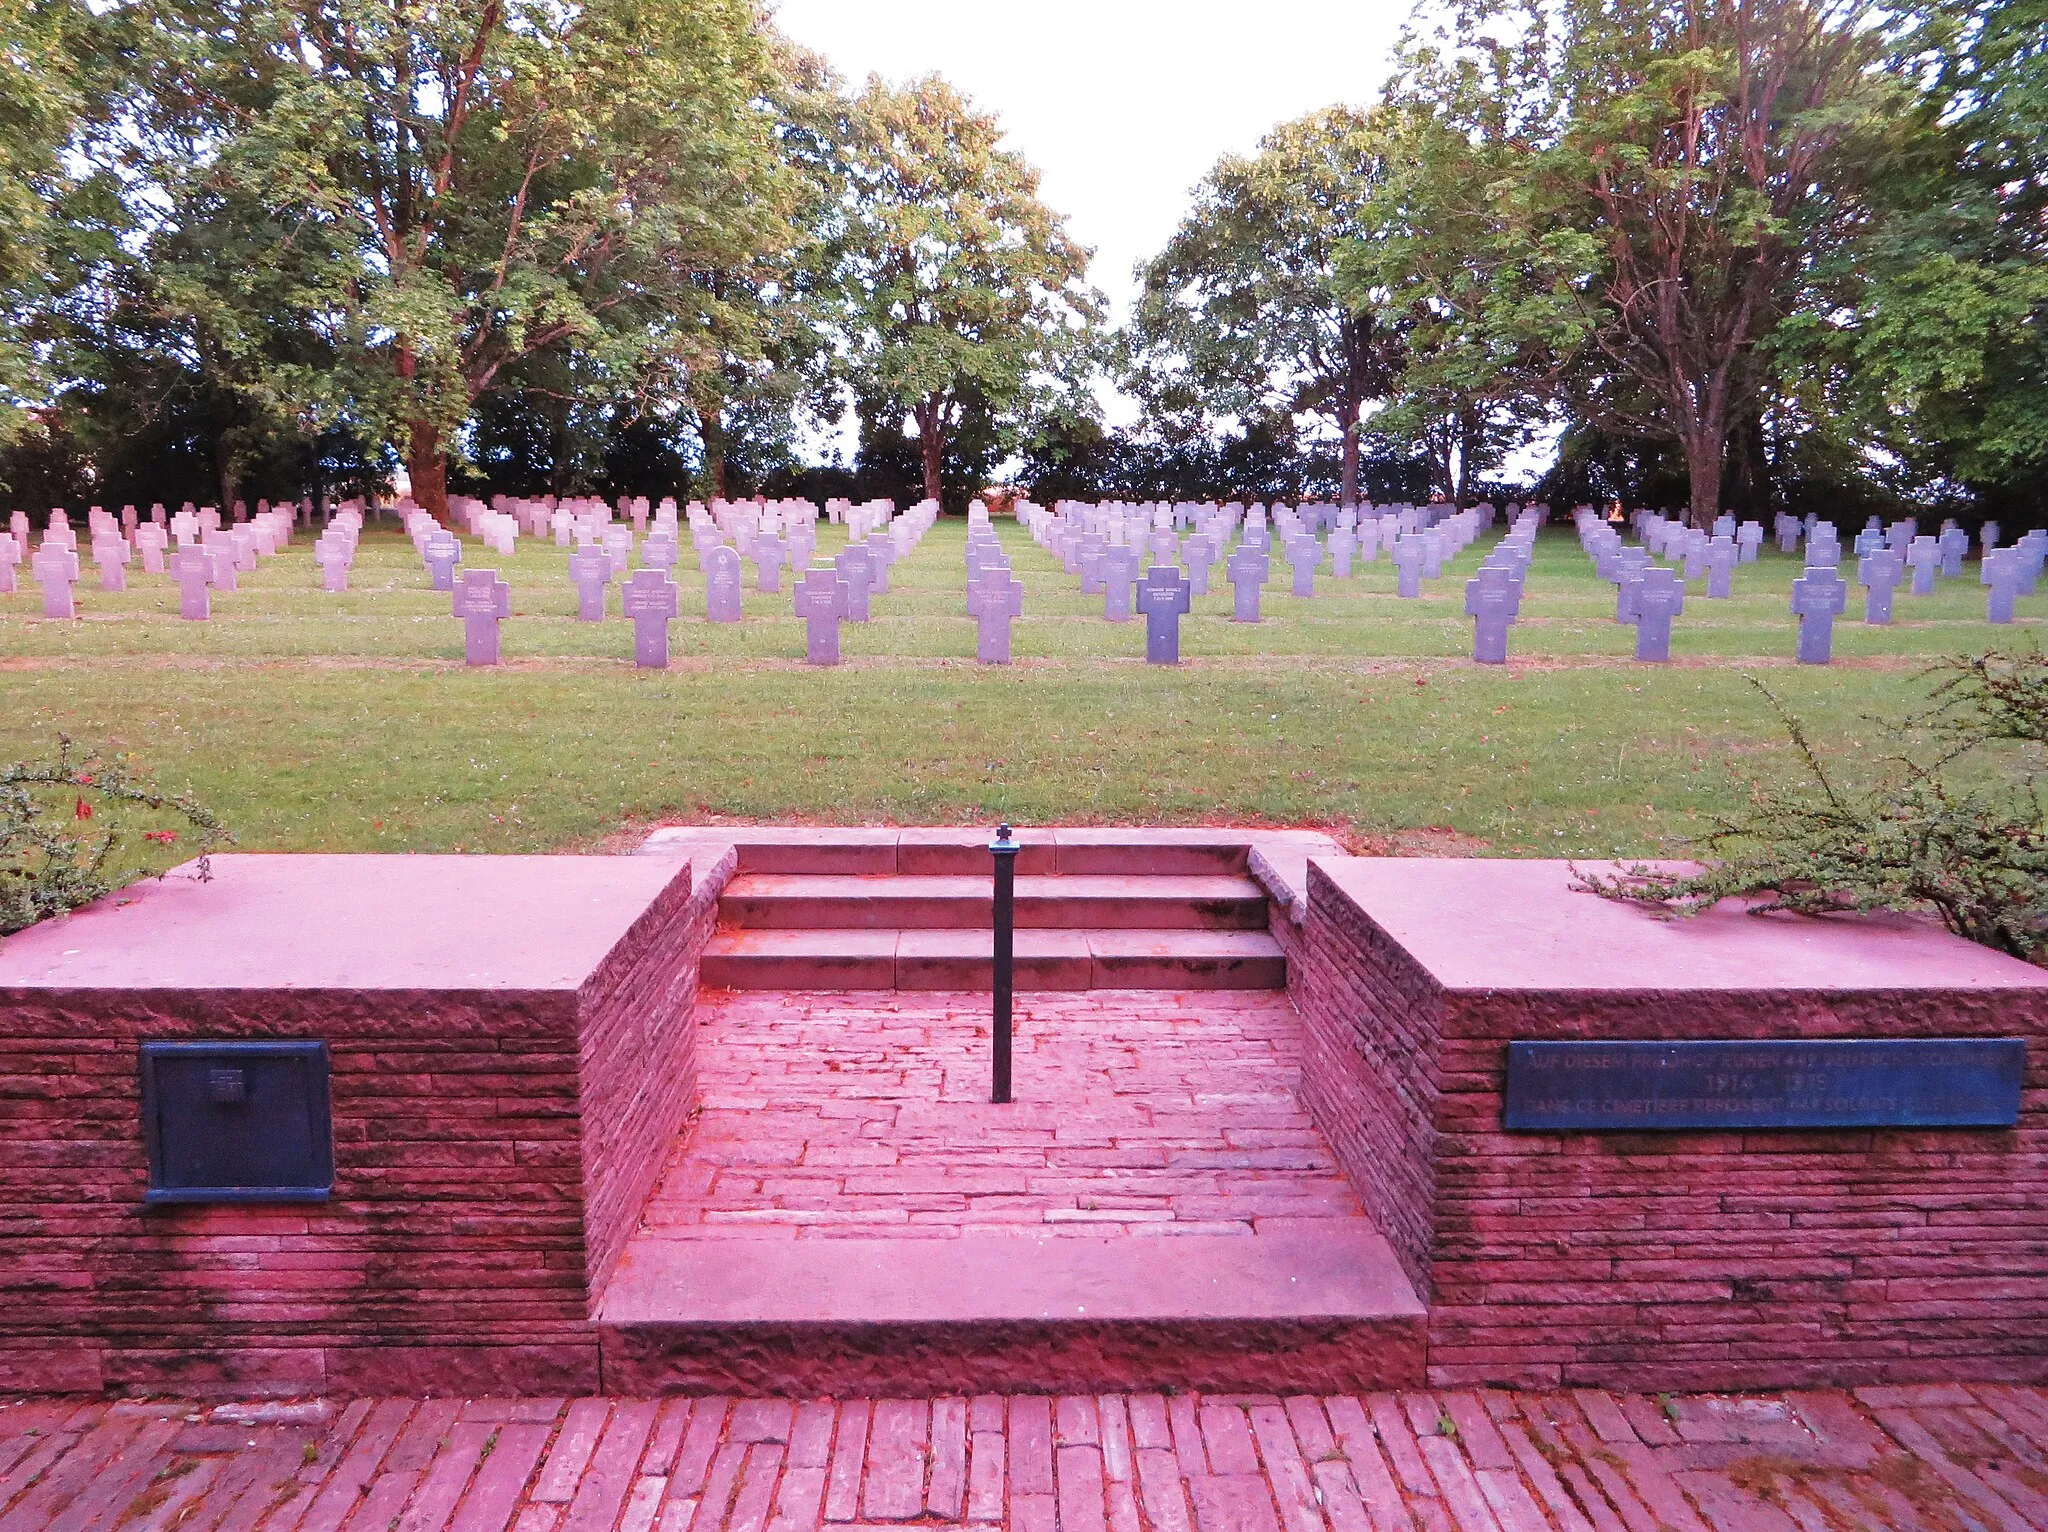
(1004, 850)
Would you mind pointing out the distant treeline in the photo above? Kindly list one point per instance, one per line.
(1751, 255)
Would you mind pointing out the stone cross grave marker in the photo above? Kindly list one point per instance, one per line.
(1923, 556)
(881, 554)
(856, 568)
(1818, 597)
(2003, 574)
(769, 556)
(481, 600)
(1749, 538)
(192, 571)
(112, 555)
(1303, 554)
(55, 568)
(617, 543)
(1201, 553)
(1722, 555)
(1823, 553)
(10, 555)
(659, 552)
(650, 601)
(1409, 559)
(1879, 573)
(590, 571)
(332, 555)
(443, 553)
(822, 601)
(220, 562)
(722, 577)
(1432, 545)
(1247, 571)
(1660, 596)
(1119, 572)
(1955, 543)
(994, 601)
(1490, 600)
(1163, 599)
(1988, 535)
(1343, 543)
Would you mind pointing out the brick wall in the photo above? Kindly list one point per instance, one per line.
(1370, 1044)
(452, 1256)
(1737, 1259)
(1675, 1260)
(639, 1062)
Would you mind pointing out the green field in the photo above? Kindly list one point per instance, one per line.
(348, 722)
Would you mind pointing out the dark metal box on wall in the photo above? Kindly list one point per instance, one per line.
(237, 1122)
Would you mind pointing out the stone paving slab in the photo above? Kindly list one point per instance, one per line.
(1939, 1458)
(830, 1115)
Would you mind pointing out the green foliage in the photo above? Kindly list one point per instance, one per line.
(62, 823)
(447, 191)
(961, 293)
(1656, 183)
(1976, 856)
(1241, 321)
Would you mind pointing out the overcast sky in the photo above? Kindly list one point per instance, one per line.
(1123, 104)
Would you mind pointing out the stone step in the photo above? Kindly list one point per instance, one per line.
(762, 901)
(955, 852)
(963, 959)
(1311, 1305)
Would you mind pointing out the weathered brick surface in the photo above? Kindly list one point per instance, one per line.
(1371, 1036)
(639, 1060)
(1675, 1260)
(1885, 1460)
(453, 1253)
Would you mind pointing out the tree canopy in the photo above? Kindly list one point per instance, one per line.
(1710, 254)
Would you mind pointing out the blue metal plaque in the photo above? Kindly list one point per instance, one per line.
(237, 1122)
(1948, 1082)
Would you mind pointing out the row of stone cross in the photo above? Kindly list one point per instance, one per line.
(826, 595)
(1107, 546)
(1650, 595)
(206, 556)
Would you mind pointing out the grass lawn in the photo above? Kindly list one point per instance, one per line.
(348, 723)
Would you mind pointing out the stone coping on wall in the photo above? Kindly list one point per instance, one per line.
(1494, 924)
(360, 922)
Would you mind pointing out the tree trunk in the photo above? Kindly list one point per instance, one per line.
(931, 443)
(1347, 491)
(711, 433)
(427, 466)
(1705, 451)
(230, 480)
(1468, 449)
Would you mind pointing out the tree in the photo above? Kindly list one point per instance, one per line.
(479, 184)
(1935, 329)
(48, 53)
(960, 291)
(1433, 264)
(1670, 171)
(1240, 317)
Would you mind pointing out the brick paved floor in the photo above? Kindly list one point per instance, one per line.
(864, 1114)
(1942, 1459)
